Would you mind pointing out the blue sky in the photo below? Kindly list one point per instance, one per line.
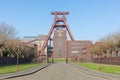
(88, 19)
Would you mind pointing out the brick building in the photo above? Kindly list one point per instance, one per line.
(79, 49)
(38, 40)
(60, 44)
(63, 48)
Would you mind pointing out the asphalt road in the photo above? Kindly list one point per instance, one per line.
(59, 71)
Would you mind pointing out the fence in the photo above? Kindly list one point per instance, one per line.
(108, 60)
(11, 61)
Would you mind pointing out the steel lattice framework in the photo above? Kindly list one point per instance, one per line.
(60, 17)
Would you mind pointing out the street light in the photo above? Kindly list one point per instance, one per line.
(35, 47)
(99, 66)
(82, 54)
(17, 57)
(67, 54)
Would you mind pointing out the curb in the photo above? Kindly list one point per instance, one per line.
(23, 73)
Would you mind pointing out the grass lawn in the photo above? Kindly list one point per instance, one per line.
(60, 60)
(12, 68)
(104, 68)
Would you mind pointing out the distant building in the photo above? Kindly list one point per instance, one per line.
(79, 49)
(63, 48)
(35, 40)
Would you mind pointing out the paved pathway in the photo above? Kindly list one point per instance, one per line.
(60, 71)
(24, 72)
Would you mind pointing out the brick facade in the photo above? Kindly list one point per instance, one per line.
(60, 44)
(79, 49)
(62, 47)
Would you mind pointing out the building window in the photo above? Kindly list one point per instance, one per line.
(59, 34)
(59, 47)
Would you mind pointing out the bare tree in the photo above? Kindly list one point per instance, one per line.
(112, 41)
(11, 46)
(7, 32)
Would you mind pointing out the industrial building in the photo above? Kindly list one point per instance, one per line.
(59, 46)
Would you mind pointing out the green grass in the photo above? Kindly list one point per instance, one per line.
(60, 60)
(104, 68)
(12, 68)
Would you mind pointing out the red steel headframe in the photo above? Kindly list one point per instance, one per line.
(57, 19)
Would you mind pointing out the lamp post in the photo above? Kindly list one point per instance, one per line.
(46, 57)
(82, 54)
(52, 58)
(67, 54)
(99, 66)
(35, 47)
(17, 58)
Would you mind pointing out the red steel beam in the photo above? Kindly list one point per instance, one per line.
(47, 38)
(69, 31)
(54, 25)
(59, 13)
